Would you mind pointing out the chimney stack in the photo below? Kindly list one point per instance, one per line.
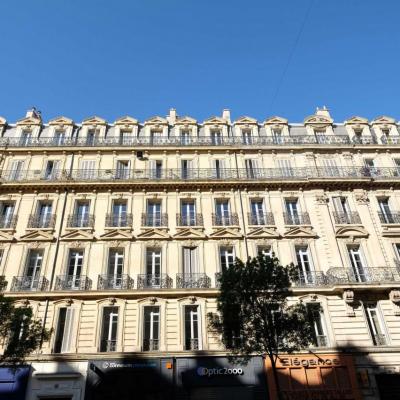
(323, 111)
(33, 113)
(226, 115)
(172, 116)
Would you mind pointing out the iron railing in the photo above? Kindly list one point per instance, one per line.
(193, 281)
(151, 344)
(80, 221)
(192, 344)
(266, 218)
(115, 282)
(379, 340)
(230, 219)
(310, 278)
(154, 281)
(29, 284)
(108, 345)
(189, 220)
(154, 220)
(389, 218)
(72, 282)
(346, 218)
(42, 221)
(8, 222)
(119, 220)
(321, 340)
(297, 218)
(208, 174)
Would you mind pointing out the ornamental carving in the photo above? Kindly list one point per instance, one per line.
(348, 297)
(361, 198)
(321, 199)
(77, 244)
(394, 297)
(34, 245)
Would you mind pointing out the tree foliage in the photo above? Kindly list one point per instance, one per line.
(254, 314)
(20, 333)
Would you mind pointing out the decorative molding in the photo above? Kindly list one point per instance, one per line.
(394, 296)
(348, 297)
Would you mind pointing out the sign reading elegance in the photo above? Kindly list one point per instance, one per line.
(209, 372)
(308, 362)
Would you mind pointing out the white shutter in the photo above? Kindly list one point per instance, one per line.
(337, 203)
(88, 167)
(68, 330)
(286, 167)
(186, 260)
(16, 168)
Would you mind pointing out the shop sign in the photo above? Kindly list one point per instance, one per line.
(308, 362)
(211, 372)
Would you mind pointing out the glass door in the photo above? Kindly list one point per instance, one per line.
(33, 270)
(44, 214)
(292, 211)
(188, 213)
(153, 267)
(74, 269)
(257, 212)
(115, 268)
(357, 264)
(153, 213)
(222, 212)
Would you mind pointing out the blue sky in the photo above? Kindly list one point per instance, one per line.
(115, 57)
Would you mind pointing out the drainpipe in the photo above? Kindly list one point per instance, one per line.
(53, 271)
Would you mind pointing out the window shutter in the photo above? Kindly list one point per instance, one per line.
(68, 330)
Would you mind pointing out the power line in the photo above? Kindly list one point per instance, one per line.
(296, 42)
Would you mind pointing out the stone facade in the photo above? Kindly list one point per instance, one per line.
(115, 233)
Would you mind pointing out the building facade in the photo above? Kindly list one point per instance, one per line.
(115, 234)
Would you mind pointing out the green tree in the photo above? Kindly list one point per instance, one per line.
(254, 316)
(20, 333)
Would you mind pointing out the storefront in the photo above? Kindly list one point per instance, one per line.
(314, 377)
(149, 379)
(13, 383)
(217, 378)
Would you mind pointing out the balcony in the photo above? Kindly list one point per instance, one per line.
(151, 344)
(152, 281)
(379, 340)
(225, 220)
(41, 221)
(192, 344)
(266, 218)
(29, 284)
(70, 282)
(119, 221)
(150, 220)
(297, 219)
(108, 345)
(310, 278)
(8, 223)
(115, 282)
(189, 220)
(192, 281)
(342, 218)
(80, 221)
(389, 218)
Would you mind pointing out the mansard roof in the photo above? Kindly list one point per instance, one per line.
(157, 120)
(215, 120)
(356, 120)
(245, 120)
(29, 121)
(383, 119)
(61, 121)
(94, 121)
(126, 120)
(275, 120)
(185, 120)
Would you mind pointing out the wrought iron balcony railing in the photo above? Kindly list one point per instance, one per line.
(29, 284)
(189, 220)
(41, 221)
(108, 345)
(3, 283)
(193, 281)
(321, 341)
(365, 139)
(154, 220)
(310, 278)
(297, 218)
(151, 344)
(8, 222)
(119, 220)
(115, 282)
(72, 282)
(208, 174)
(266, 218)
(192, 344)
(389, 218)
(225, 220)
(154, 281)
(80, 221)
(379, 340)
(342, 218)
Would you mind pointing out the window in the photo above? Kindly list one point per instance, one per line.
(186, 169)
(44, 214)
(59, 137)
(16, 170)
(81, 217)
(108, 340)
(277, 136)
(226, 257)
(125, 137)
(358, 270)
(216, 137)
(285, 168)
(119, 217)
(219, 169)
(122, 171)
(151, 328)
(64, 330)
(190, 265)
(343, 213)
(88, 169)
(247, 137)
(265, 251)
(222, 213)
(252, 169)
(91, 137)
(153, 216)
(32, 273)
(316, 316)
(397, 252)
(51, 170)
(185, 137)
(192, 341)
(75, 261)
(156, 137)
(370, 167)
(304, 263)
(115, 268)
(7, 213)
(257, 216)
(26, 138)
(155, 167)
(375, 324)
(385, 132)
(385, 214)
(330, 167)
(292, 212)
(153, 267)
(397, 165)
(188, 213)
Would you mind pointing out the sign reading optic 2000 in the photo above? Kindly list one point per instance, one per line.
(209, 372)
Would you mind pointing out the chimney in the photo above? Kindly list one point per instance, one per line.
(33, 113)
(226, 115)
(323, 111)
(172, 116)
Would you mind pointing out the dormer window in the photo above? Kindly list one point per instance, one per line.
(91, 137)
(358, 132)
(125, 136)
(185, 136)
(155, 136)
(385, 132)
(277, 135)
(59, 137)
(246, 136)
(320, 132)
(26, 137)
(216, 137)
